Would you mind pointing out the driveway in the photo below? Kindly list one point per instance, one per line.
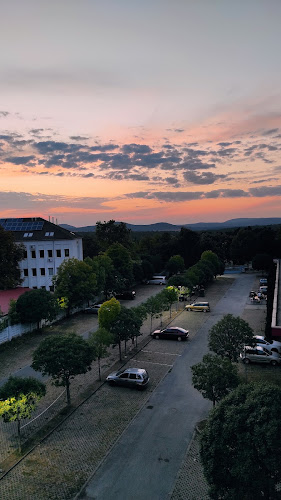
(146, 459)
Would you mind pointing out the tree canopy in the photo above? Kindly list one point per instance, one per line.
(63, 357)
(75, 281)
(214, 377)
(10, 255)
(19, 397)
(100, 340)
(35, 305)
(241, 444)
(229, 335)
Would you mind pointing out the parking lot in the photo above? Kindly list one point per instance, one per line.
(67, 458)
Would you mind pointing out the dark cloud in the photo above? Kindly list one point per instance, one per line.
(265, 191)
(20, 160)
(226, 193)
(78, 138)
(224, 144)
(3, 114)
(204, 178)
(196, 165)
(136, 148)
(171, 180)
(104, 147)
(138, 177)
(270, 131)
(227, 152)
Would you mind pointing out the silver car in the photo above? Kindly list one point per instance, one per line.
(137, 378)
(258, 354)
(271, 345)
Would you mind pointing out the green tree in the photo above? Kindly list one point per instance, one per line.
(75, 281)
(123, 265)
(125, 326)
(262, 262)
(229, 335)
(214, 377)
(108, 313)
(11, 254)
(108, 233)
(35, 305)
(12, 313)
(216, 265)
(154, 306)
(18, 399)
(63, 358)
(241, 444)
(100, 340)
(170, 296)
(175, 264)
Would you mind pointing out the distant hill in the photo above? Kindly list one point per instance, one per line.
(199, 226)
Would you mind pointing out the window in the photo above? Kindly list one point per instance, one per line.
(33, 254)
(124, 375)
(25, 254)
(41, 252)
(51, 233)
(52, 288)
(43, 287)
(58, 253)
(34, 287)
(133, 376)
(25, 272)
(42, 271)
(50, 271)
(34, 271)
(28, 235)
(66, 252)
(50, 253)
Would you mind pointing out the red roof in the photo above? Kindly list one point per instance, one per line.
(7, 295)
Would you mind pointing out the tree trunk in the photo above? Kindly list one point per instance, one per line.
(119, 345)
(19, 436)
(67, 392)
(99, 369)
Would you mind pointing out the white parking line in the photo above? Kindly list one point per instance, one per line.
(158, 352)
(152, 363)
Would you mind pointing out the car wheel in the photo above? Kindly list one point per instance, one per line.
(204, 310)
(188, 309)
(246, 361)
(111, 382)
(273, 363)
(157, 337)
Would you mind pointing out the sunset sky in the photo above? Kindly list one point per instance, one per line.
(140, 111)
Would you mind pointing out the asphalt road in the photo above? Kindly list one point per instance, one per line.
(145, 461)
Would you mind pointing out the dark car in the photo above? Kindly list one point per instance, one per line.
(127, 294)
(171, 333)
(137, 378)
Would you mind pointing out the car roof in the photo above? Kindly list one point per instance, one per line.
(135, 370)
(176, 328)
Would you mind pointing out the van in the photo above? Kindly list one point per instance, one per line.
(157, 281)
(157, 277)
(198, 306)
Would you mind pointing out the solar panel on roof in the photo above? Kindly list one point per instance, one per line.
(22, 226)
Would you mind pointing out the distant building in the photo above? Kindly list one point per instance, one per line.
(47, 245)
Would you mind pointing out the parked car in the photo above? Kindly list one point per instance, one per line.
(127, 294)
(271, 345)
(171, 333)
(157, 281)
(263, 290)
(198, 306)
(263, 281)
(259, 354)
(94, 309)
(137, 378)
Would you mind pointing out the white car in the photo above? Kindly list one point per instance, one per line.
(271, 345)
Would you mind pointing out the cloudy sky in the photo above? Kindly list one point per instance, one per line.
(140, 111)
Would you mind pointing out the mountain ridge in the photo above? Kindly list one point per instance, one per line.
(197, 226)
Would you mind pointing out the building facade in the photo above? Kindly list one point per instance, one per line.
(46, 244)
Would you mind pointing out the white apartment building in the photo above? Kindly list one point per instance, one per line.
(47, 245)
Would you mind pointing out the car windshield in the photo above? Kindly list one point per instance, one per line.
(119, 372)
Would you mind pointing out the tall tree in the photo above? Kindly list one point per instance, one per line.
(75, 281)
(18, 399)
(125, 326)
(229, 335)
(35, 305)
(108, 233)
(241, 444)
(108, 313)
(63, 358)
(10, 255)
(100, 340)
(123, 265)
(214, 377)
